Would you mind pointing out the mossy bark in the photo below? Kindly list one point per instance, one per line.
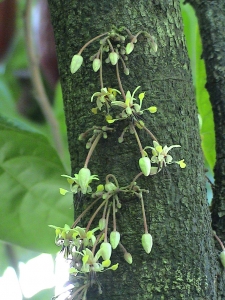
(182, 264)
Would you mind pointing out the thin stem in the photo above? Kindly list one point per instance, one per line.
(106, 225)
(114, 178)
(134, 39)
(110, 45)
(128, 31)
(104, 211)
(81, 289)
(149, 132)
(84, 212)
(138, 141)
(122, 247)
(92, 149)
(135, 178)
(114, 215)
(219, 240)
(94, 215)
(89, 42)
(143, 212)
(41, 98)
(100, 71)
(119, 82)
(96, 242)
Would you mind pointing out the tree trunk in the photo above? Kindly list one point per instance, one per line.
(182, 263)
(211, 17)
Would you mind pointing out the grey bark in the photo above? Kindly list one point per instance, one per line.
(182, 264)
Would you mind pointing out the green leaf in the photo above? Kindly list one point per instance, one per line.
(44, 294)
(194, 46)
(30, 178)
(204, 107)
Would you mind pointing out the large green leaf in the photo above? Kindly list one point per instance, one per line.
(194, 46)
(30, 172)
(204, 107)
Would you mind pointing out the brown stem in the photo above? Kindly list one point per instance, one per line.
(135, 178)
(92, 149)
(119, 82)
(143, 212)
(219, 240)
(138, 140)
(100, 71)
(96, 242)
(89, 42)
(114, 178)
(41, 98)
(106, 225)
(150, 133)
(83, 213)
(114, 215)
(94, 215)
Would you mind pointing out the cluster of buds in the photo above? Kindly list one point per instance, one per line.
(78, 245)
(114, 54)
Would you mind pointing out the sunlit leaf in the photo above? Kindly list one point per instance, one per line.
(30, 178)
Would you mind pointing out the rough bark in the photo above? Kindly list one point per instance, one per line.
(211, 18)
(182, 264)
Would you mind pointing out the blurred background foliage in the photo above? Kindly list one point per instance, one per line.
(30, 164)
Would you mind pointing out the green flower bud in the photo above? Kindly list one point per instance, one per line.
(129, 48)
(101, 223)
(110, 187)
(128, 258)
(145, 165)
(84, 177)
(113, 56)
(106, 250)
(147, 242)
(129, 111)
(222, 258)
(126, 71)
(96, 64)
(76, 63)
(114, 267)
(114, 239)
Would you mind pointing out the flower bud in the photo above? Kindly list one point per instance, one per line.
(114, 267)
(128, 258)
(114, 239)
(222, 258)
(129, 111)
(63, 191)
(96, 64)
(106, 250)
(145, 165)
(147, 242)
(129, 48)
(76, 63)
(101, 223)
(84, 177)
(113, 56)
(126, 71)
(110, 187)
(106, 263)
(152, 109)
